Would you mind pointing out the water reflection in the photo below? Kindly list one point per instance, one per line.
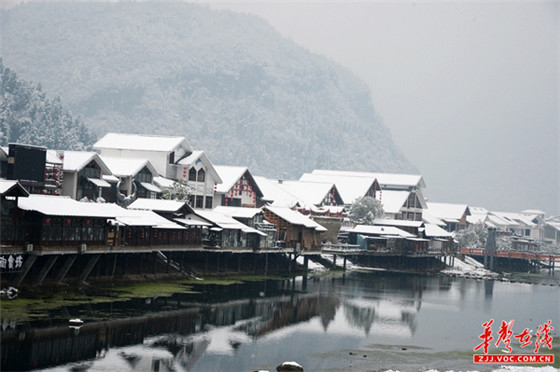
(243, 325)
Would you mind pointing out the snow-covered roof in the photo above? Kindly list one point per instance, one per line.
(518, 218)
(401, 223)
(55, 156)
(162, 182)
(197, 157)
(273, 193)
(308, 193)
(65, 206)
(230, 174)
(384, 179)
(500, 222)
(427, 217)
(332, 209)
(477, 218)
(434, 231)
(160, 205)
(226, 222)
(238, 212)
(533, 212)
(142, 142)
(381, 230)
(295, 218)
(75, 161)
(349, 187)
(127, 167)
(146, 218)
(193, 220)
(553, 224)
(4, 152)
(7, 186)
(448, 211)
(393, 201)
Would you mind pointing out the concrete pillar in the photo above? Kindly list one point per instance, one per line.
(265, 263)
(65, 267)
(239, 263)
(46, 268)
(87, 270)
(344, 264)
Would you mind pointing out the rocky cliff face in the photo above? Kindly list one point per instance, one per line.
(228, 82)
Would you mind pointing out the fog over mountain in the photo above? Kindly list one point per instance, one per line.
(228, 82)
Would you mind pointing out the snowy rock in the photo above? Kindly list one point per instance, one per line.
(289, 366)
(469, 268)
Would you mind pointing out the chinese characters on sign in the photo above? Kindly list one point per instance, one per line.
(504, 337)
(11, 262)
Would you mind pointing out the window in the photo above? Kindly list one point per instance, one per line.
(209, 202)
(192, 174)
(144, 176)
(199, 201)
(172, 158)
(201, 175)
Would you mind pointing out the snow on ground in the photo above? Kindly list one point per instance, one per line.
(312, 265)
(469, 267)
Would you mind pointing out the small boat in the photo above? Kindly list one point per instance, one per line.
(75, 323)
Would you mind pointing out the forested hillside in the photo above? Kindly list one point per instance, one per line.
(228, 82)
(28, 116)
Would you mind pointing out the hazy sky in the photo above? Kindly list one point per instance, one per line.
(469, 90)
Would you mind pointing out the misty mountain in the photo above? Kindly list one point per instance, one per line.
(228, 82)
(28, 116)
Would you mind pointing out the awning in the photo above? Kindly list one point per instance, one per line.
(150, 187)
(217, 229)
(99, 182)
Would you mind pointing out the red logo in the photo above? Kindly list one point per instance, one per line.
(504, 337)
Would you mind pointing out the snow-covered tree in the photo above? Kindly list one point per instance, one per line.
(474, 236)
(28, 116)
(180, 190)
(365, 210)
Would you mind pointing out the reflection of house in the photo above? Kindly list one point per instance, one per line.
(454, 215)
(83, 175)
(295, 229)
(201, 175)
(238, 188)
(136, 176)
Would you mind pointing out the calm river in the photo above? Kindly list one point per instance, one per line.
(357, 322)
